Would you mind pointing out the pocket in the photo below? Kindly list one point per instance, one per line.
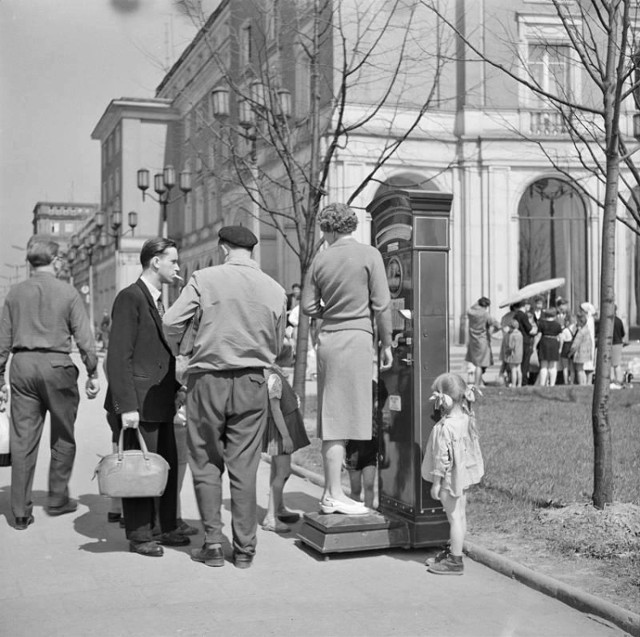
(64, 370)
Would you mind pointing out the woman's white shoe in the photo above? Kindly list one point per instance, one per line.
(329, 505)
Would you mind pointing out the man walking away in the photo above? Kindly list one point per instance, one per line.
(243, 316)
(39, 318)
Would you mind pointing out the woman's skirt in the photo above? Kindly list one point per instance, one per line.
(345, 376)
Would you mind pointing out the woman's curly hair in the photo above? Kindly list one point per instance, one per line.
(338, 217)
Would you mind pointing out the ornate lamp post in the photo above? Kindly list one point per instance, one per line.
(84, 251)
(162, 184)
(551, 195)
(116, 225)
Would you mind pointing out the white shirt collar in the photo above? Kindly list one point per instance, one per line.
(153, 290)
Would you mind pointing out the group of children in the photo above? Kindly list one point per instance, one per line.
(561, 342)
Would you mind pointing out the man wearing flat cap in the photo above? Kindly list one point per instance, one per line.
(242, 318)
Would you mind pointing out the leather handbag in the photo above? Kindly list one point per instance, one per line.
(5, 427)
(135, 473)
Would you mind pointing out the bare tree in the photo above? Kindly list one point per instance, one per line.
(364, 79)
(601, 40)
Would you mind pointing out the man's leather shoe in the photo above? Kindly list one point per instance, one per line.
(186, 529)
(148, 549)
(22, 523)
(69, 507)
(242, 560)
(173, 538)
(209, 554)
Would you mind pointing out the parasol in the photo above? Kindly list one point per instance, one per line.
(533, 289)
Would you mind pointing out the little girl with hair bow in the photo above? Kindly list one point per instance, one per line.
(452, 463)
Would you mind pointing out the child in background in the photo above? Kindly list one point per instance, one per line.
(362, 457)
(513, 353)
(452, 463)
(549, 346)
(285, 434)
(581, 351)
(566, 338)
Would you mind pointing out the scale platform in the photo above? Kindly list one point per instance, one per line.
(337, 533)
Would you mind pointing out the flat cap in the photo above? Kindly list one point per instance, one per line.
(238, 236)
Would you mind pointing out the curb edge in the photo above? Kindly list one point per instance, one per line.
(569, 595)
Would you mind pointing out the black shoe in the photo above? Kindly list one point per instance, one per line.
(148, 549)
(22, 523)
(173, 538)
(242, 560)
(69, 507)
(114, 517)
(186, 529)
(209, 555)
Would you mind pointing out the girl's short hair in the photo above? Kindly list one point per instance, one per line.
(550, 313)
(338, 217)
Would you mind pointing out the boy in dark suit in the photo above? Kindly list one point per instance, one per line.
(142, 390)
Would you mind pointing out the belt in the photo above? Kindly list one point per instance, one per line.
(37, 350)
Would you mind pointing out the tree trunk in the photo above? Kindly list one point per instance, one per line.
(300, 364)
(603, 457)
(602, 451)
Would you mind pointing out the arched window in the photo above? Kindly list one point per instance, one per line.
(410, 181)
(553, 238)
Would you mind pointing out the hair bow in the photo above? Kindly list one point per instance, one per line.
(471, 392)
(441, 400)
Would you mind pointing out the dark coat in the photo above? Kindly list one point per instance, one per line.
(141, 369)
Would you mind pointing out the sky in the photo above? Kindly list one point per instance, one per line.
(61, 63)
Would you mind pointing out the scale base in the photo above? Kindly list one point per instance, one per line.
(337, 533)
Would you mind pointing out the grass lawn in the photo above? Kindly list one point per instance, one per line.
(538, 443)
(533, 504)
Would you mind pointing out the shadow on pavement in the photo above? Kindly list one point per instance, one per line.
(39, 500)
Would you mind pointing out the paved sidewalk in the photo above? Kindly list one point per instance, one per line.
(72, 575)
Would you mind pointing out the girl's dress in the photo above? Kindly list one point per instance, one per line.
(582, 348)
(514, 349)
(453, 453)
(549, 348)
(278, 387)
(566, 338)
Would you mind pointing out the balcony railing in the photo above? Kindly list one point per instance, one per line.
(546, 123)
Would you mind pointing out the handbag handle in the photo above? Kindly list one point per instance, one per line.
(141, 442)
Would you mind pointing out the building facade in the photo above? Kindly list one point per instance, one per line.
(517, 217)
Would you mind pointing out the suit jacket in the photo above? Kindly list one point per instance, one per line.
(140, 366)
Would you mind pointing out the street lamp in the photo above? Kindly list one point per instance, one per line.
(551, 195)
(116, 224)
(88, 246)
(162, 184)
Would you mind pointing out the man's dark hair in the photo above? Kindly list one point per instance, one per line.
(153, 248)
(41, 251)
(296, 285)
(483, 301)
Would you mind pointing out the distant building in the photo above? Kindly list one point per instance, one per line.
(132, 133)
(59, 221)
(515, 219)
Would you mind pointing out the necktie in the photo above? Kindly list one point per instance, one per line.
(160, 306)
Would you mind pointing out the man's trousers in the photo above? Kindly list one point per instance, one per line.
(42, 382)
(141, 513)
(226, 418)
